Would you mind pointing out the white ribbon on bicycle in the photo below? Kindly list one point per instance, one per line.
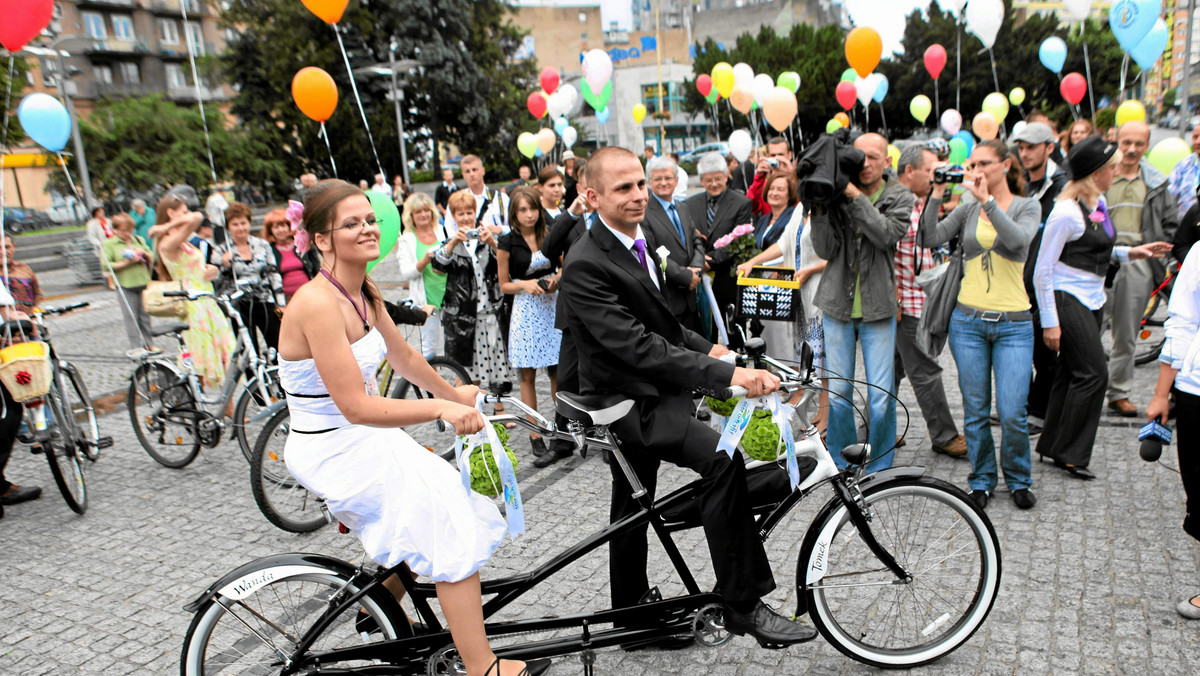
(514, 506)
(781, 415)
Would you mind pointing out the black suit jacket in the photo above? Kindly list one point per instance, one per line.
(680, 299)
(561, 234)
(733, 209)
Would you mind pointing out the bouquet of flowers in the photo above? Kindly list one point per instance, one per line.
(741, 244)
(485, 475)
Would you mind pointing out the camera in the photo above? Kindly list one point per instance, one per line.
(953, 174)
(473, 233)
(773, 161)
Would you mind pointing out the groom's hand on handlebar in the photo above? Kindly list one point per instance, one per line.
(756, 382)
(465, 419)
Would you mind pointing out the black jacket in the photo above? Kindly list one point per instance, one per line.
(561, 234)
(459, 305)
(733, 209)
(680, 298)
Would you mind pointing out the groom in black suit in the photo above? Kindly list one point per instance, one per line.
(625, 340)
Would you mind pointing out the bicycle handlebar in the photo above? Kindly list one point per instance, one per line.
(64, 309)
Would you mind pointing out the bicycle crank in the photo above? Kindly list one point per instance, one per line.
(446, 662)
(210, 432)
(708, 626)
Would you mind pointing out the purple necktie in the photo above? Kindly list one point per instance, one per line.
(639, 250)
(1108, 225)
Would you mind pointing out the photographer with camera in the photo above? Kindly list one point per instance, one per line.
(778, 159)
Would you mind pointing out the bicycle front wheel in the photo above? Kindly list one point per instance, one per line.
(279, 496)
(66, 463)
(163, 410)
(435, 436)
(83, 415)
(935, 533)
(253, 408)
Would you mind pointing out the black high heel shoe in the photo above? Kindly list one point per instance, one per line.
(532, 668)
(1082, 473)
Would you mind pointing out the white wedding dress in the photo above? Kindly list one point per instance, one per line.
(402, 501)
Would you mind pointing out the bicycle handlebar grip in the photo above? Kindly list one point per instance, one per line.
(175, 294)
(731, 392)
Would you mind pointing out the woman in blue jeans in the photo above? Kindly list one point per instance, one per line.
(991, 330)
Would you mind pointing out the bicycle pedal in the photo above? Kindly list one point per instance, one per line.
(104, 442)
(772, 646)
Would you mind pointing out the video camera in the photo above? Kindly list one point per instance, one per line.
(948, 174)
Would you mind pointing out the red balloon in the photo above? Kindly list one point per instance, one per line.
(1073, 87)
(704, 84)
(536, 103)
(935, 60)
(23, 20)
(847, 94)
(549, 80)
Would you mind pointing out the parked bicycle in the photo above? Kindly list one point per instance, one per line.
(896, 570)
(1152, 334)
(61, 424)
(169, 410)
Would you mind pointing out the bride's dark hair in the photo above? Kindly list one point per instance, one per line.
(320, 208)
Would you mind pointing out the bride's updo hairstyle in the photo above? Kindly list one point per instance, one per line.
(320, 208)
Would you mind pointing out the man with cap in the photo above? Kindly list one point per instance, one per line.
(1142, 210)
(1185, 177)
(1078, 245)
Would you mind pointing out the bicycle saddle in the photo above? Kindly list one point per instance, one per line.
(593, 409)
(166, 329)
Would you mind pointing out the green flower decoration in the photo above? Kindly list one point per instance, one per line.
(485, 478)
(761, 439)
(722, 408)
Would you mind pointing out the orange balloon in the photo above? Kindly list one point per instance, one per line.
(329, 11)
(315, 93)
(863, 49)
(843, 118)
(742, 99)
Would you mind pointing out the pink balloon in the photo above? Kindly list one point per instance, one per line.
(1073, 87)
(951, 121)
(935, 60)
(846, 94)
(23, 20)
(549, 80)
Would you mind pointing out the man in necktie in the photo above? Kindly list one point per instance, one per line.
(716, 212)
(672, 228)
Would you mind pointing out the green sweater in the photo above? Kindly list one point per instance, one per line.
(114, 251)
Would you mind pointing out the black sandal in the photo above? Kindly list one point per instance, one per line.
(532, 668)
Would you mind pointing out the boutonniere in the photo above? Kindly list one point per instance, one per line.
(1096, 216)
(663, 253)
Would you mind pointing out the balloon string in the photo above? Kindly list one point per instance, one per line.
(3, 156)
(996, 84)
(937, 114)
(1124, 67)
(883, 115)
(357, 99)
(187, 34)
(325, 135)
(1087, 69)
(958, 63)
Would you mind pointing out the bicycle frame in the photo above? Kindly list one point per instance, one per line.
(58, 390)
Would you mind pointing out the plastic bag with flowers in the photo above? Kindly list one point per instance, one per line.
(740, 242)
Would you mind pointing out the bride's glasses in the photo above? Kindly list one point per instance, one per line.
(356, 226)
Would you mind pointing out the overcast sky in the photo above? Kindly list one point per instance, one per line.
(885, 16)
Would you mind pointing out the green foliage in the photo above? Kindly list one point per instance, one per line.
(1169, 98)
(761, 439)
(721, 407)
(1106, 117)
(485, 474)
(18, 83)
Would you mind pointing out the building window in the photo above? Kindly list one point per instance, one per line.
(103, 74)
(129, 72)
(49, 72)
(93, 25)
(176, 76)
(196, 35)
(168, 32)
(671, 98)
(122, 27)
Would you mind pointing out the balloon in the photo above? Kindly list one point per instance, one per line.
(920, 107)
(1073, 87)
(951, 121)
(639, 112)
(848, 75)
(569, 93)
(967, 139)
(893, 154)
(713, 96)
(545, 139)
(740, 144)
(789, 79)
(315, 93)
(527, 144)
(1168, 152)
(743, 75)
(958, 151)
(996, 104)
(704, 84)
(779, 107)
(1053, 53)
(45, 120)
(1016, 96)
(832, 126)
(985, 126)
(1148, 51)
(1132, 20)
(722, 77)
(23, 21)
(387, 217)
(597, 68)
(602, 115)
(329, 11)
(843, 119)
(864, 89)
(763, 84)
(846, 93)
(1018, 128)
(881, 87)
(560, 123)
(597, 101)
(863, 49)
(537, 105)
(537, 152)
(569, 137)
(549, 79)
(741, 99)
(1078, 9)
(935, 60)
(1131, 111)
(984, 18)
(557, 105)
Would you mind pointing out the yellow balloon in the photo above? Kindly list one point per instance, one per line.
(722, 78)
(996, 104)
(1131, 111)
(1016, 96)
(639, 113)
(893, 156)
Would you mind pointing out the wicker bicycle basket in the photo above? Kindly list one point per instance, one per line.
(768, 293)
(25, 370)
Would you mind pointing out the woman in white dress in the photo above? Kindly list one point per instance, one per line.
(346, 445)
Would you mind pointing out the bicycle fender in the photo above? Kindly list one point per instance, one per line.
(164, 363)
(246, 579)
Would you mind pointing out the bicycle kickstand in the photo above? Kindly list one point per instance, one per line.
(587, 656)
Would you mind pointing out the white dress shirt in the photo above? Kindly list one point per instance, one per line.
(1066, 224)
(1181, 351)
(628, 241)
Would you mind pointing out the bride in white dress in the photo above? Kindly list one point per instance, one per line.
(345, 445)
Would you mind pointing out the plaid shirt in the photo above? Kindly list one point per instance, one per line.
(912, 298)
(1183, 180)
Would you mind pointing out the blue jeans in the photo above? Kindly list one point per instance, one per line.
(878, 346)
(1005, 348)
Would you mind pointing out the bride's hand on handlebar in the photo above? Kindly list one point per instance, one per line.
(756, 382)
(465, 419)
(467, 393)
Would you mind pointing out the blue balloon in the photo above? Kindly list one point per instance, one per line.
(538, 153)
(560, 124)
(45, 120)
(881, 89)
(1132, 20)
(602, 115)
(966, 137)
(1053, 53)
(1151, 48)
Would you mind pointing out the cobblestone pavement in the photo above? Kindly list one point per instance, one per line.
(1090, 576)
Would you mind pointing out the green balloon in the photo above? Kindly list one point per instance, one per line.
(958, 151)
(597, 101)
(713, 95)
(790, 80)
(832, 126)
(1167, 153)
(848, 75)
(387, 216)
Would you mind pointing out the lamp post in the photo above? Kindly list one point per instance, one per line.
(391, 69)
(63, 79)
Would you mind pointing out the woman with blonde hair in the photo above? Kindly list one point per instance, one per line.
(1073, 260)
(415, 250)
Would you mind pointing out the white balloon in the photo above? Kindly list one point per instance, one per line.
(558, 105)
(865, 86)
(740, 144)
(743, 76)
(1078, 9)
(569, 136)
(762, 85)
(597, 69)
(569, 92)
(984, 18)
(1018, 128)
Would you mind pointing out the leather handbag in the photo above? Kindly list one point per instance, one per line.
(941, 285)
(153, 301)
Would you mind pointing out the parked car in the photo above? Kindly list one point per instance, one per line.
(23, 220)
(695, 154)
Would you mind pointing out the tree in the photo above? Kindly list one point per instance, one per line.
(19, 81)
(468, 89)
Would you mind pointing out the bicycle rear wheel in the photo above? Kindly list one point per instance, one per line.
(279, 496)
(66, 462)
(251, 412)
(163, 409)
(438, 438)
(935, 533)
(76, 400)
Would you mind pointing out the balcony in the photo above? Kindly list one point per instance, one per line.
(122, 89)
(116, 4)
(187, 93)
(116, 47)
(195, 8)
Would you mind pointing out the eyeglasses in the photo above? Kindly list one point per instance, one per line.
(355, 226)
(984, 163)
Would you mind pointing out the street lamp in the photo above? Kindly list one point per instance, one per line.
(393, 66)
(62, 77)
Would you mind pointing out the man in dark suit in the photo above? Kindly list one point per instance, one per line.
(441, 196)
(716, 212)
(672, 228)
(625, 341)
